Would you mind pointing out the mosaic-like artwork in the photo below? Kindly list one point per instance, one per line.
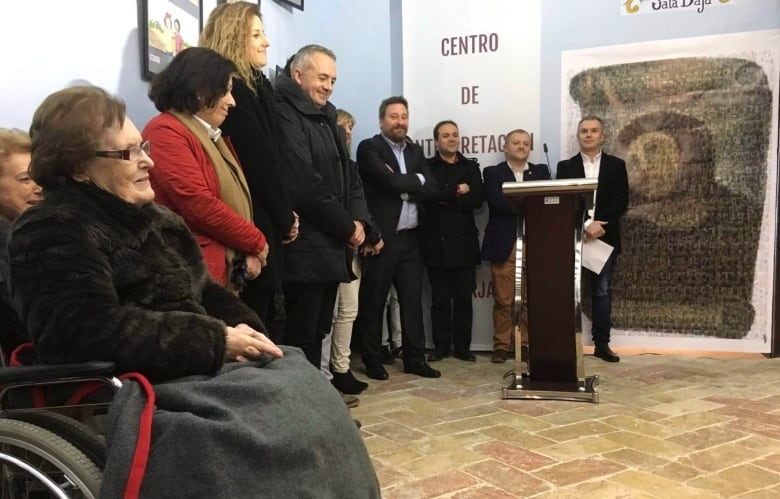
(695, 133)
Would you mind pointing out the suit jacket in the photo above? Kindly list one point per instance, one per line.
(611, 193)
(384, 183)
(501, 230)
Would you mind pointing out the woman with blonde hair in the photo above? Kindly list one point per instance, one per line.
(18, 191)
(235, 30)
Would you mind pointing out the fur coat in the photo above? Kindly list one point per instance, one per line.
(95, 278)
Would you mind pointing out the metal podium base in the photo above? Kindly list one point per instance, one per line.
(522, 387)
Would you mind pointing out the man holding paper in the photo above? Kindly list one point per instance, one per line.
(603, 223)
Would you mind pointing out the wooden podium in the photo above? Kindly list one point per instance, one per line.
(549, 236)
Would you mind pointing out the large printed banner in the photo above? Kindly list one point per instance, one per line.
(479, 68)
(697, 122)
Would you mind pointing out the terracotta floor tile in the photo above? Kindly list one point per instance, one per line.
(707, 437)
(514, 455)
(651, 483)
(667, 427)
(579, 470)
(718, 458)
(577, 430)
(516, 436)
(580, 448)
(432, 486)
(483, 492)
(634, 459)
(771, 463)
(507, 478)
(738, 480)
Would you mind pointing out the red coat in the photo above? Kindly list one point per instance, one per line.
(184, 180)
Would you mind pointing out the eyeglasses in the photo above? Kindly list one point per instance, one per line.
(132, 154)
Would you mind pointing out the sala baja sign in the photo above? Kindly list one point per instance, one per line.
(656, 6)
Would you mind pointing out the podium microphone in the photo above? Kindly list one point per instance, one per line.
(544, 147)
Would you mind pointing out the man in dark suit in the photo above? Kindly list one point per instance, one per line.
(498, 245)
(396, 179)
(604, 224)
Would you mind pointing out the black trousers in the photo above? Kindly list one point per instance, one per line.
(400, 263)
(451, 309)
(309, 310)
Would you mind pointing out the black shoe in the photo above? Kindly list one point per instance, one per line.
(386, 355)
(376, 372)
(347, 383)
(437, 356)
(398, 352)
(465, 356)
(603, 352)
(422, 369)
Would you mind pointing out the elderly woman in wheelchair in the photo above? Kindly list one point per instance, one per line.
(98, 272)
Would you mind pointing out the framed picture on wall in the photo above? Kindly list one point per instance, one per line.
(298, 4)
(169, 26)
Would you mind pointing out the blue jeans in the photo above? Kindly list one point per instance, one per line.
(601, 301)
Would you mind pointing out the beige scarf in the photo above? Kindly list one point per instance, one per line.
(233, 189)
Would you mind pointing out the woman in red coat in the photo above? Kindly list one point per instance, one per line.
(197, 174)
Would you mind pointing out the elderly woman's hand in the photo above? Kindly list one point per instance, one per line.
(242, 343)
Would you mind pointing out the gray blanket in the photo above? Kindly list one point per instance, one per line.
(262, 429)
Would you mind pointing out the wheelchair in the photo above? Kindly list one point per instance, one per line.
(50, 439)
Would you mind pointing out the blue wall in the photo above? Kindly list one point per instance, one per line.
(365, 34)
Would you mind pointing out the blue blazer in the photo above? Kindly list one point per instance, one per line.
(501, 230)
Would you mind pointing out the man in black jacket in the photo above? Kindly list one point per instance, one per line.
(325, 192)
(611, 204)
(451, 244)
(396, 179)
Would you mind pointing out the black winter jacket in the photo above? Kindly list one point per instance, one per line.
(451, 238)
(95, 278)
(325, 191)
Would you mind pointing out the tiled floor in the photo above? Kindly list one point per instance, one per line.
(666, 427)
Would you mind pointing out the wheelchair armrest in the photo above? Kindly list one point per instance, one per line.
(36, 373)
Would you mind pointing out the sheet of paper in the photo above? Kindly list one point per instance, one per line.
(595, 254)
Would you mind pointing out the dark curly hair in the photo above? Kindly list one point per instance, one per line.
(195, 79)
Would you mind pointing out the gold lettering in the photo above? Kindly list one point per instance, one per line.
(633, 9)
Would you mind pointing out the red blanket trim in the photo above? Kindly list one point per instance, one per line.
(15, 360)
(21, 352)
(84, 390)
(143, 444)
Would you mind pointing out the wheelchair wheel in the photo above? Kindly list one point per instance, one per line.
(36, 463)
(77, 433)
